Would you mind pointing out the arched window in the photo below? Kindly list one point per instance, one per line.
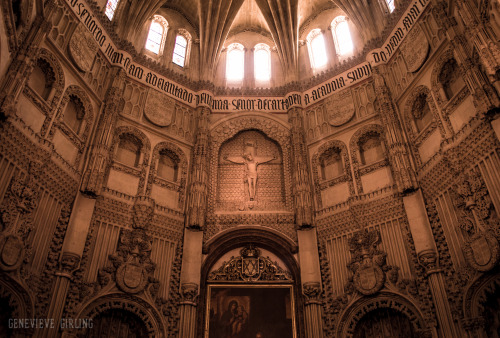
(342, 36)
(74, 113)
(262, 62)
(317, 50)
(422, 114)
(235, 66)
(129, 150)
(331, 164)
(111, 8)
(42, 78)
(168, 166)
(450, 78)
(180, 50)
(157, 34)
(371, 149)
(390, 5)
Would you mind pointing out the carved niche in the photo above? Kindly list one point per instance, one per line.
(250, 266)
(237, 189)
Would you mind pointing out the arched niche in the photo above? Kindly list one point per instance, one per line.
(136, 315)
(235, 245)
(359, 314)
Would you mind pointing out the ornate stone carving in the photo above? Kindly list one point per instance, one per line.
(69, 263)
(159, 108)
(189, 293)
(82, 48)
(340, 108)
(481, 247)
(312, 291)
(132, 260)
(415, 49)
(250, 267)
(367, 262)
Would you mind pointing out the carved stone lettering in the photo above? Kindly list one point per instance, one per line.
(415, 49)
(340, 108)
(82, 48)
(159, 108)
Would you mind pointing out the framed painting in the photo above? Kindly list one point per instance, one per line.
(250, 311)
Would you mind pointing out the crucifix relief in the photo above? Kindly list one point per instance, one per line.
(251, 161)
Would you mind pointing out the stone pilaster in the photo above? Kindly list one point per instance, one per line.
(310, 276)
(396, 142)
(197, 195)
(100, 150)
(428, 257)
(189, 294)
(301, 177)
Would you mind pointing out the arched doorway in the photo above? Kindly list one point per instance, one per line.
(250, 286)
(384, 322)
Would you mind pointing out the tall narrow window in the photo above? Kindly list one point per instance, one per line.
(111, 8)
(180, 50)
(390, 4)
(42, 78)
(262, 62)
(235, 66)
(317, 50)
(451, 79)
(157, 33)
(342, 36)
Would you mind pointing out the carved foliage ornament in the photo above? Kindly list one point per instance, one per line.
(250, 267)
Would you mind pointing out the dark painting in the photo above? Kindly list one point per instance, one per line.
(250, 312)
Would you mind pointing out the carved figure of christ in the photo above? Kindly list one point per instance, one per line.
(251, 163)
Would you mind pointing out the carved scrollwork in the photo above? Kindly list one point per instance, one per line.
(250, 267)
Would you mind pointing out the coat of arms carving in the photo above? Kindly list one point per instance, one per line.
(159, 108)
(250, 267)
(340, 108)
(82, 48)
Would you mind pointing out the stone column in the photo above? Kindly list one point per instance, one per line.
(333, 58)
(396, 143)
(72, 251)
(427, 254)
(249, 78)
(310, 275)
(301, 177)
(193, 234)
(190, 279)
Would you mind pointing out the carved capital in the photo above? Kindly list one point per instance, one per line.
(472, 324)
(189, 293)
(312, 291)
(430, 261)
(69, 263)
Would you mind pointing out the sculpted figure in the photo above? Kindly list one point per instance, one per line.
(251, 162)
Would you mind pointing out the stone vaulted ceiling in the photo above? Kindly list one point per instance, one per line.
(215, 20)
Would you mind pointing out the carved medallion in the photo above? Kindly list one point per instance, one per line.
(131, 277)
(82, 48)
(159, 108)
(369, 279)
(482, 251)
(11, 252)
(340, 108)
(415, 49)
